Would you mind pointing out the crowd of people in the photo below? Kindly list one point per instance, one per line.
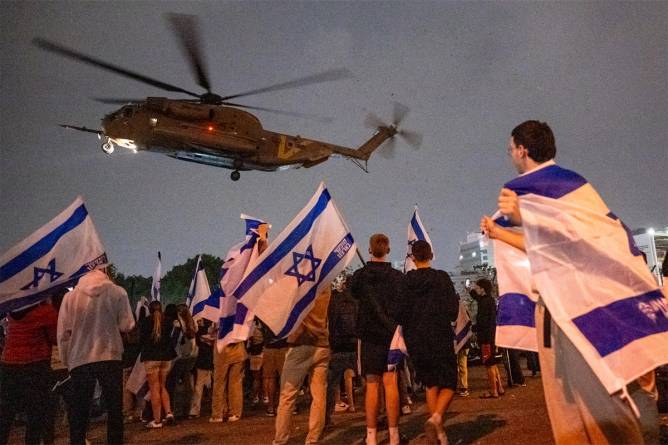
(93, 333)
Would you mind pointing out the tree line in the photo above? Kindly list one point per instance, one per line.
(174, 284)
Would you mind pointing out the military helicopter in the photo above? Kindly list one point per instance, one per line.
(210, 129)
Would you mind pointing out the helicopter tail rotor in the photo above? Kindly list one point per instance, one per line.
(399, 112)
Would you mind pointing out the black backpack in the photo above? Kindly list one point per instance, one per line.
(343, 328)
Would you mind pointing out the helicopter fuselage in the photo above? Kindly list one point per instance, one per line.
(216, 135)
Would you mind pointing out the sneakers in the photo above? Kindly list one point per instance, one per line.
(265, 400)
(233, 418)
(153, 424)
(169, 419)
(340, 407)
(215, 420)
(406, 409)
(463, 393)
(256, 400)
(271, 412)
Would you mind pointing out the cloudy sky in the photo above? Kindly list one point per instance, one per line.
(470, 72)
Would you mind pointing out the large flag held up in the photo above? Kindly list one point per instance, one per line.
(591, 276)
(234, 318)
(55, 255)
(199, 293)
(309, 253)
(155, 284)
(515, 321)
(416, 231)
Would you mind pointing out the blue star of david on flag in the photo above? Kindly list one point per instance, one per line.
(298, 258)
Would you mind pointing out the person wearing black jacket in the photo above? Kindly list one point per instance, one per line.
(342, 316)
(428, 308)
(485, 329)
(378, 287)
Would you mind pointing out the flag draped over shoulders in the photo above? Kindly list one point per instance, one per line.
(54, 256)
(515, 320)
(591, 276)
(307, 255)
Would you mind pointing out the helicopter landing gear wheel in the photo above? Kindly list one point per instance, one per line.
(108, 147)
(235, 175)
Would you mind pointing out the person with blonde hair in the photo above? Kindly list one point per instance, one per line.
(157, 352)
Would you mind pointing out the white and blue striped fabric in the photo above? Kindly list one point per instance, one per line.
(397, 350)
(591, 276)
(234, 318)
(303, 260)
(193, 282)
(416, 231)
(54, 256)
(199, 293)
(515, 320)
(155, 283)
(463, 328)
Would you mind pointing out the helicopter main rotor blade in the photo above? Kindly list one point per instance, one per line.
(70, 53)
(116, 101)
(325, 76)
(187, 30)
(283, 112)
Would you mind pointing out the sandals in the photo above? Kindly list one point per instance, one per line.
(488, 395)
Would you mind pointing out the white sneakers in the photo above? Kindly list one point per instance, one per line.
(153, 424)
(233, 418)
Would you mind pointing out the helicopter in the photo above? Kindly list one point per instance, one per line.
(211, 130)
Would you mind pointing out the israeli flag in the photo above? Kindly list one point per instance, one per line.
(591, 276)
(416, 231)
(462, 327)
(515, 316)
(155, 284)
(193, 281)
(397, 350)
(234, 318)
(303, 260)
(199, 293)
(55, 255)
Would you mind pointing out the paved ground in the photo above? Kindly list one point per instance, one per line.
(519, 418)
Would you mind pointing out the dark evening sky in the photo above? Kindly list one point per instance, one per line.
(470, 72)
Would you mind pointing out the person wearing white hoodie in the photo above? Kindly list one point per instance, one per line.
(91, 319)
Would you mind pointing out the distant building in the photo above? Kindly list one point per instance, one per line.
(654, 244)
(475, 253)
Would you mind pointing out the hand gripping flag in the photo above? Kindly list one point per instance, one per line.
(55, 255)
(462, 327)
(515, 319)
(416, 231)
(304, 259)
(155, 283)
(591, 276)
(199, 294)
(234, 318)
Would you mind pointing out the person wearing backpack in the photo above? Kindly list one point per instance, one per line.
(342, 314)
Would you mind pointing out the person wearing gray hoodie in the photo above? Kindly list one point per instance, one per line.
(91, 319)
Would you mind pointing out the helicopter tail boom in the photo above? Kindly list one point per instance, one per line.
(365, 150)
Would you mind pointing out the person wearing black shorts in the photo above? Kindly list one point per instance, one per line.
(428, 308)
(378, 287)
(485, 329)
